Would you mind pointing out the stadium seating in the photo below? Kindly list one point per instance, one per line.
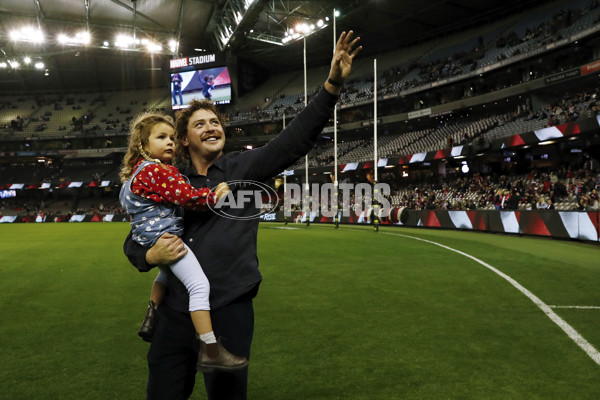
(402, 72)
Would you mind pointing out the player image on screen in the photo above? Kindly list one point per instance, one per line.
(211, 84)
(208, 84)
(176, 80)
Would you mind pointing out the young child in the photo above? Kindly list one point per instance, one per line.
(153, 193)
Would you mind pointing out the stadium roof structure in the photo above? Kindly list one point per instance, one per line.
(56, 53)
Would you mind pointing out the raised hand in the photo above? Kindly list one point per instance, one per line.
(341, 63)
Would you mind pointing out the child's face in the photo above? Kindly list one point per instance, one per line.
(161, 142)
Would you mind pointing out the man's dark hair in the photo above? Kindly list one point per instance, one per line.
(182, 119)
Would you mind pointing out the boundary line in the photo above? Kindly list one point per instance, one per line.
(578, 307)
(562, 324)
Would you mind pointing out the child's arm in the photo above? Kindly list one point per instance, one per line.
(163, 183)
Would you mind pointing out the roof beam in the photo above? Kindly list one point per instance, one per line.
(235, 20)
(179, 25)
(90, 24)
(38, 12)
(87, 15)
(133, 10)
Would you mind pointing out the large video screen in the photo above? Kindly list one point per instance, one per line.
(209, 83)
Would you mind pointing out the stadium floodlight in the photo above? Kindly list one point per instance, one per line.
(80, 38)
(127, 42)
(39, 65)
(27, 34)
(300, 31)
(3, 65)
(173, 45)
(302, 28)
(124, 41)
(84, 37)
(27, 60)
(14, 64)
(153, 47)
(62, 38)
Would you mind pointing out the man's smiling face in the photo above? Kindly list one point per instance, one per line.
(205, 135)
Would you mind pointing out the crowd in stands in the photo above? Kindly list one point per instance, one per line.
(61, 207)
(85, 115)
(417, 73)
(561, 188)
(569, 108)
(463, 130)
(17, 124)
(395, 79)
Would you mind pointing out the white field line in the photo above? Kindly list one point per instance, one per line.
(562, 324)
(578, 307)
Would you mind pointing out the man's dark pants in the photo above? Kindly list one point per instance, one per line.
(174, 352)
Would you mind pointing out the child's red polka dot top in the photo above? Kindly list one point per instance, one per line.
(164, 184)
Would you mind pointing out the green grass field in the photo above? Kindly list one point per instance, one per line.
(342, 314)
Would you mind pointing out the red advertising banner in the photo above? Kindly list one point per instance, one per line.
(591, 67)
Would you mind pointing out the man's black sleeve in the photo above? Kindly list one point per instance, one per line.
(293, 142)
(136, 254)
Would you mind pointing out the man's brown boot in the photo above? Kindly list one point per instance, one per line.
(214, 356)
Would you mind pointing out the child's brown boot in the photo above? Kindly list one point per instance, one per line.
(215, 356)
(147, 329)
